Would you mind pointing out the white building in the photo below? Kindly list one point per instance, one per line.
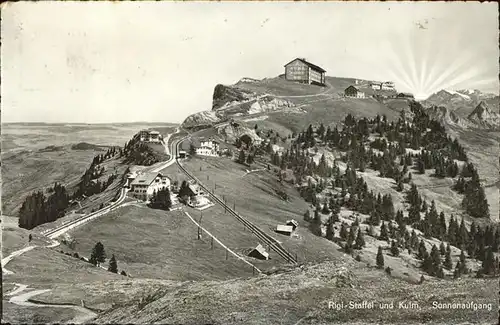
(354, 92)
(150, 136)
(208, 148)
(376, 85)
(388, 85)
(144, 185)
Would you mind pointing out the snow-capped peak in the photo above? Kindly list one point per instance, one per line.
(452, 92)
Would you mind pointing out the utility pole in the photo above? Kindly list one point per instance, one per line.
(212, 243)
(199, 225)
(226, 254)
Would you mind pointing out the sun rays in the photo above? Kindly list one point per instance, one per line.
(422, 65)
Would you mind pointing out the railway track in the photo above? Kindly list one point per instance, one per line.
(53, 233)
(261, 235)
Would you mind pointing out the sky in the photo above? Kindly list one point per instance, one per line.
(102, 62)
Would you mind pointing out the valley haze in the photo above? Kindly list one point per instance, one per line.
(250, 162)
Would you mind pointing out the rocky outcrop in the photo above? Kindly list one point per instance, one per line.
(201, 119)
(485, 116)
(227, 95)
(269, 104)
(446, 116)
(233, 131)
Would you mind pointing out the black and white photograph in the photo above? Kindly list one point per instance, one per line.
(250, 162)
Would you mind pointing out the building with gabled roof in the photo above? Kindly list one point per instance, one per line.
(292, 223)
(284, 230)
(259, 252)
(301, 70)
(144, 185)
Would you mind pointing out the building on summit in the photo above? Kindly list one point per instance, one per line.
(303, 71)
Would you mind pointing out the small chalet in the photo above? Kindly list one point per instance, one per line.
(303, 71)
(354, 92)
(284, 230)
(292, 223)
(259, 252)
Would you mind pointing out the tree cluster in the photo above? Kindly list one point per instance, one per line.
(38, 209)
(161, 200)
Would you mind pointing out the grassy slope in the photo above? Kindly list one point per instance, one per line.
(15, 238)
(27, 172)
(303, 295)
(14, 314)
(327, 108)
(157, 244)
(255, 199)
(39, 266)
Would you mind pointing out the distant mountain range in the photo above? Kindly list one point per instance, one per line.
(466, 107)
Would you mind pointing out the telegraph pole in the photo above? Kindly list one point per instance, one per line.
(199, 225)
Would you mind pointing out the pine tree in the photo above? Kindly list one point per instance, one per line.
(394, 249)
(360, 240)
(343, 231)
(330, 231)
(422, 250)
(348, 247)
(98, 254)
(448, 264)
(352, 234)
(462, 263)
(113, 267)
(383, 232)
(380, 258)
(488, 265)
(436, 260)
(442, 249)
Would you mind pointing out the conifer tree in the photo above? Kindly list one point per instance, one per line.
(113, 267)
(488, 265)
(422, 250)
(442, 249)
(343, 232)
(383, 232)
(352, 234)
(436, 260)
(380, 258)
(98, 254)
(330, 231)
(348, 247)
(394, 249)
(360, 241)
(448, 264)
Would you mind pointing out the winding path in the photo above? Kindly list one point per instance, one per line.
(22, 299)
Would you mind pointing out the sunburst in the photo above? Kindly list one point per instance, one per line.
(423, 65)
